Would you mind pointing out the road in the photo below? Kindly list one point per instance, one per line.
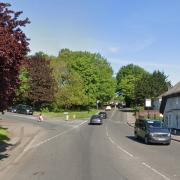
(78, 151)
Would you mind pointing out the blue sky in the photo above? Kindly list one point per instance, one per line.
(145, 33)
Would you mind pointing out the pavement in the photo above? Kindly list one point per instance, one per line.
(131, 123)
(20, 135)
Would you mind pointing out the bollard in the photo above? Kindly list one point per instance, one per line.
(67, 117)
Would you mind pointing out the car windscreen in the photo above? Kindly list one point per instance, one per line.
(95, 117)
(102, 113)
(27, 107)
(156, 124)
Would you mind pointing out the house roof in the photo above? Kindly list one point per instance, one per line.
(175, 89)
(173, 92)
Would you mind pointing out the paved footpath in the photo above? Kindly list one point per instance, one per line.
(20, 135)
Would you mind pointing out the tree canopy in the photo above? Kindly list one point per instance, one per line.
(41, 81)
(13, 50)
(151, 86)
(95, 72)
(127, 77)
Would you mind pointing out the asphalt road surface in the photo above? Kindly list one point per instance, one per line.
(79, 151)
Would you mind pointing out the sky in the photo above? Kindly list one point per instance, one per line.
(145, 33)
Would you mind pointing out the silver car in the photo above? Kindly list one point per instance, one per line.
(95, 119)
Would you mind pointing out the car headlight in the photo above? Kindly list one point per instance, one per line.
(151, 134)
(169, 134)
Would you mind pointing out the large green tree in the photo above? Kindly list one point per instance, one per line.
(70, 91)
(95, 72)
(127, 77)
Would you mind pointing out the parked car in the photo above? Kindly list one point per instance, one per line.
(152, 131)
(102, 114)
(95, 119)
(108, 108)
(24, 109)
(12, 109)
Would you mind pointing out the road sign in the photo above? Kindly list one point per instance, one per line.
(147, 102)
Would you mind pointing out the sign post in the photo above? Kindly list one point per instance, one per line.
(97, 104)
(148, 105)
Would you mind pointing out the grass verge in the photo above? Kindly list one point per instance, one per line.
(3, 134)
(72, 114)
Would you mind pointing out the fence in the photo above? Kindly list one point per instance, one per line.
(148, 114)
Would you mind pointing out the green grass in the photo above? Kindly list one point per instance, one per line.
(72, 114)
(3, 134)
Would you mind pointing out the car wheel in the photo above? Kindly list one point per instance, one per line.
(168, 143)
(146, 140)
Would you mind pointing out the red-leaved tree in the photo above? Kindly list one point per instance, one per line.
(13, 50)
(41, 80)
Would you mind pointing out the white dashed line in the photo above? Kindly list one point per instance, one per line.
(107, 134)
(49, 139)
(111, 140)
(156, 171)
(131, 155)
(117, 145)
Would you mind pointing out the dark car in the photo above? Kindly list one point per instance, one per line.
(95, 119)
(12, 109)
(24, 109)
(152, 131)
(103, 115)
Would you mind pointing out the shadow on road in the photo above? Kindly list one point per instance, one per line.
(141, 141)
(127, 110)
(133, 138)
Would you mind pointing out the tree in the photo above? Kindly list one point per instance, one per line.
(70, 89)
(71, 94)
(41, 81)
(151, 86)
(95, 72)
(13, 50)
(143, 88)
(127, 77)
(22, 90)
(160, 83)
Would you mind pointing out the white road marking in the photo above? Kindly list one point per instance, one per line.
(107, 134)
(111, 140)
(156, 171)
(112, 114)
(49, 139)
(117, 145)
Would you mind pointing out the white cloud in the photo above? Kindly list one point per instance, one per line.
(114, 49)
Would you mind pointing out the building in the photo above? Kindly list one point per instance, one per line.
(170, 107)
